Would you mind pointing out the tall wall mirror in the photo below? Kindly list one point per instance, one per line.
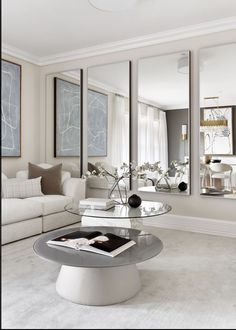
(164, 123)
(217, 67)
(64, 118)
(108, 124)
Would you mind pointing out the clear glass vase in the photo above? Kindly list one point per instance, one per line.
(163, 183)
(118, 191)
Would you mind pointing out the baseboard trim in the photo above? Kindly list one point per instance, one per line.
(194, 224)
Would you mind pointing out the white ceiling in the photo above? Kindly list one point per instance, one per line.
(112, 77)
(218, 75)
(47, 27)
(159, 81)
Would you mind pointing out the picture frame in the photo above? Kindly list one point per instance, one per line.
(97, 123)
(11, 109)
(219, 142)
(67, 118)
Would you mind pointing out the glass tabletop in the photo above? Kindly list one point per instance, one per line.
(146, 247)
(146, 209)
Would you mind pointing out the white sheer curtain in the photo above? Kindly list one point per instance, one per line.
(120, 131)
(152, 135)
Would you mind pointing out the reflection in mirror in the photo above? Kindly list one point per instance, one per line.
(63, 117)
(163, 123)
(218, 121)
(108, 125)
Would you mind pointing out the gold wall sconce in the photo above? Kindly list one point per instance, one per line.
(184, 132)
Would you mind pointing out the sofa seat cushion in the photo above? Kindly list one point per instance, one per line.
(52, 203)
(16, 209)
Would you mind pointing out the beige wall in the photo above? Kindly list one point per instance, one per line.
(30, 131)
(193, 205)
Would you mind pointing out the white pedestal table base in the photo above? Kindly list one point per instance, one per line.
(98, 286)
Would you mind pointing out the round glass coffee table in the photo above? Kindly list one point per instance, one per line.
(93, 279)
(119, 212)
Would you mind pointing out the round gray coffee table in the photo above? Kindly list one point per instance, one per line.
(93, 279)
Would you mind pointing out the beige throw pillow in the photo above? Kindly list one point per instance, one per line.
(51, 178)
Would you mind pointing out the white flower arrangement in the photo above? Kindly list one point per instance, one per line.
(163, 181)
(125, 171)
(133, 171)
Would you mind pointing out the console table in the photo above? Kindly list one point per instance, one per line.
(93, 279)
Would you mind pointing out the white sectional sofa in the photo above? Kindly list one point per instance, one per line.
(34, 215)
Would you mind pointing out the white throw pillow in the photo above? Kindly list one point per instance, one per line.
(18, 188)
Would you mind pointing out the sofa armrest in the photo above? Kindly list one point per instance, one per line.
(75, 188)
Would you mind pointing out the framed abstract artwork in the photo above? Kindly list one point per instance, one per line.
(11, 109)
(67, 118)
(218, 140)
(97, 123)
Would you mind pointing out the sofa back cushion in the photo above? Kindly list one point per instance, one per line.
(51, 178)
(20, 188)
(4, 177)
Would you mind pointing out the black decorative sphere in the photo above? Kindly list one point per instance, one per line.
(134, 200)
(182, 186)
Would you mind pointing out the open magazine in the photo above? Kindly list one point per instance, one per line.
(107, 244)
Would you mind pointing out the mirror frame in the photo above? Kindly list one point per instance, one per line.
(199, 118)
(129, 103)
(189, 117)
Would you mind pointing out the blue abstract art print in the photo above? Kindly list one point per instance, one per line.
(11, 109)
(67, 113)
(97, 123)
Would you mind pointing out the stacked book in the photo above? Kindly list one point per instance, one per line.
(97, 203)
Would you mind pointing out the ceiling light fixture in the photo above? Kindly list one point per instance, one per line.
(213, 124)
(112, 5)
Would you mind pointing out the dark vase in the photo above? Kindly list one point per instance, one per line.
(134, 201)
(182, 186)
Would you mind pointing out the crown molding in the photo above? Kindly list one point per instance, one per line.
(127, 44)
(20, 54)
(106, 88)
(150, 102)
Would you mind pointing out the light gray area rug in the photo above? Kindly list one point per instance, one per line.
(190, 285)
